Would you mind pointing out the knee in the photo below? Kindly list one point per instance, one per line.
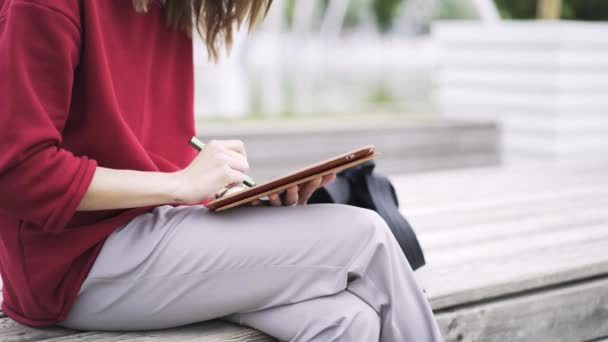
(367, 323)
(362, 325)
(369, 223)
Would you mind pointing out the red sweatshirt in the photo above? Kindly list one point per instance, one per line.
(83, 83)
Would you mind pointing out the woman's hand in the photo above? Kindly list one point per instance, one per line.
(298, 195)
(219, 164)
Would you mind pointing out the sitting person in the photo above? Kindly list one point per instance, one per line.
(102, 216)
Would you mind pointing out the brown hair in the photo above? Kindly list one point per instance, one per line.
(215, 19)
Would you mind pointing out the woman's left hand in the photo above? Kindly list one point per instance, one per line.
(299, 194)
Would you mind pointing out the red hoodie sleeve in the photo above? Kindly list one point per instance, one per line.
(40, 182)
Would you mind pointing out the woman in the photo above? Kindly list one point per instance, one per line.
(102, 221)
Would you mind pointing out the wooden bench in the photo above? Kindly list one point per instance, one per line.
(433, 143)
(514, 254)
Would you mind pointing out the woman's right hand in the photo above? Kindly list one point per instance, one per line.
(219, 164)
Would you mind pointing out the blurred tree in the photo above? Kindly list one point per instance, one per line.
(570, 9)
(289, 9)
(517, 9)
(352, 13)
(549, 9)
(386, 11)
(587, 10)
(455, 9)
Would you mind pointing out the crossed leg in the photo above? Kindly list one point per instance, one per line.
(341, 317)
(290, 272)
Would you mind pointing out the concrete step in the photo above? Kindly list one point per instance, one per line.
(407, 144)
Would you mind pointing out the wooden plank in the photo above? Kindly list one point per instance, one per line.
(427, 191)
(464, 190)
(510, 232)
(445, 188)
(522, 197)
(590, 229)
(458, 219)
(492, 177)
(482, 279)
(431, 143)
(11, 331)
(459, 234)
(213, 331)
(488, 204)
(571, 313)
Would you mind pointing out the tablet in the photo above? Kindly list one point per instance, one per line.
(332, 165)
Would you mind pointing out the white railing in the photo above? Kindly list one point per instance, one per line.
(544, 81)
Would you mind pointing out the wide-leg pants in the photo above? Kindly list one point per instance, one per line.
(320, 272)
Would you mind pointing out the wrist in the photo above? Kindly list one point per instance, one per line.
(175, 187)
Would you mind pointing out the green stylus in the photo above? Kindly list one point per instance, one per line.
(199, 145)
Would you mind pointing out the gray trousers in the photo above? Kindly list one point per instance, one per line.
(308, 273)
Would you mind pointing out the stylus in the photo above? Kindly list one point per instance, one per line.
(199, 145)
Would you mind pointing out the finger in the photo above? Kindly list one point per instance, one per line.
(307, 189)
(275, 200)
(292, 195)
(234, 145)
(235, 161)
(233, 177)
(257, 203)
(234, 154)
(328, 178)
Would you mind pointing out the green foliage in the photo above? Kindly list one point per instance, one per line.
(572, 9)
(588, 9)
(289, 11)
(352, 13)
(455, 9)
(381, 95)
(517, 9)
(385, 11)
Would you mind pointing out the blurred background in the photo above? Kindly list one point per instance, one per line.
(511, 92)
(435, 84)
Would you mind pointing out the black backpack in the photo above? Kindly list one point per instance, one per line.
(362, 187)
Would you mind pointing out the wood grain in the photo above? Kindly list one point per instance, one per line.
(567, 314)
(214, 331)
(11, 331)
(514, 254)
(431, 144)
(484, 279)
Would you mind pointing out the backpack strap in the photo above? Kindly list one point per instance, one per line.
(338, 191)
(362, 187)
(385, 200)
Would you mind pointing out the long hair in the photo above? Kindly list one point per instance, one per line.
(215, 20)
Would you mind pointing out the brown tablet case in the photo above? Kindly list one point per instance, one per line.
(323, 168)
